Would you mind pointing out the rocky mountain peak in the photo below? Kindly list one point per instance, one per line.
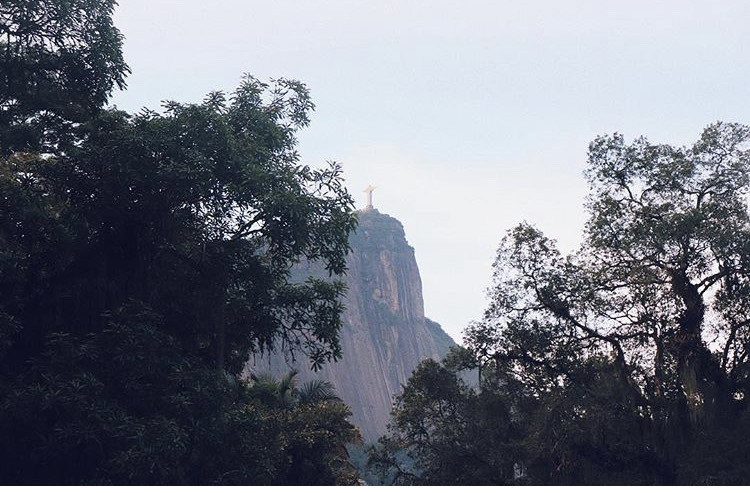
(385, 333)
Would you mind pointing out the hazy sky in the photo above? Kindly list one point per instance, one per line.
(469, 116)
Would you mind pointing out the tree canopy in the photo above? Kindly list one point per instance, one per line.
(144, 257)
(627, 360)
(59, 62)
(658, 284)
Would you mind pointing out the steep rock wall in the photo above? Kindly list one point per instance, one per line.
(385, 333)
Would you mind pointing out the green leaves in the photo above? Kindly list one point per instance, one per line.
(313, 428)
(143, 258)
(665, 238)
(445, 433)
(59, 62)
(621, 363)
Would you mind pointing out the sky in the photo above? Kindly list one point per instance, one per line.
(468, 116)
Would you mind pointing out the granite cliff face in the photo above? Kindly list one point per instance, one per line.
(385, 333)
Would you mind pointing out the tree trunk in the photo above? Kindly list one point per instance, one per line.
(698, 379)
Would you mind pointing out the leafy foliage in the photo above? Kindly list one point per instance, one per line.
(143, 258)
(126, 406)
(445, 433)
(147, 205)
(59, 61)
(626, 361)
(317, 433)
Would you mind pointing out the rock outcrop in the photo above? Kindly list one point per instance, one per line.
(385, 333)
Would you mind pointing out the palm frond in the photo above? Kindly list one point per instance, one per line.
(316, 391)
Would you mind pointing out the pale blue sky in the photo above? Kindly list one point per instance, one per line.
(470, 116)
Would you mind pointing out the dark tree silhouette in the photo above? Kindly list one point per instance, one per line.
(143, 258)
(625, 362)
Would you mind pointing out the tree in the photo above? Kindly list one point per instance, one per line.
(128, 406)
(59, 62)
(625, 362)
(208, 196)
(284, 392)
(445, 433)
(659, 287)
(314, 429)
(143, 258)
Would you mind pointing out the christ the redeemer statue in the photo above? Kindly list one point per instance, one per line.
(368, 193)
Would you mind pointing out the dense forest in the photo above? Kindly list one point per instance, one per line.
(144, 257)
